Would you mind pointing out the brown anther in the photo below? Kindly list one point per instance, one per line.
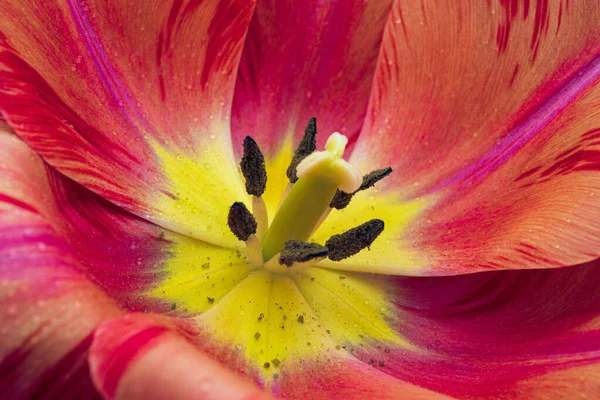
(297, 251)
(241, 221)
(354, 240)
(253, 168)
(307, 145)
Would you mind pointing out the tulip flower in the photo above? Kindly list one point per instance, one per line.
(237, 199)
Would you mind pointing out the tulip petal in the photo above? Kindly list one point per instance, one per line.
(49, 307)
(142, 356)
(489, 111)
(500, 334)
(133, 102)
(306, 59)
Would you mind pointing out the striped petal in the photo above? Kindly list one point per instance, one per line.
(502, 334)
(133, 102)
(488, 114)
(49, 307)
(142, 356)
(306, 59)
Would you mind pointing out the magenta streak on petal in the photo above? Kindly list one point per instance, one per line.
(109, 75)
(124, 354)
(67, 378)
(17, 203)
(527, 128)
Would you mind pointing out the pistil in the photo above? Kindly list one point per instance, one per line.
(320, 175)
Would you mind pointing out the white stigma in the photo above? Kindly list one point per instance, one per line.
(330, 163)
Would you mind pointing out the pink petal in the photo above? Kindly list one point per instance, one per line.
(49, 307)
(502, 334)
(491, 110)
(96, 87)
(307, 59)
(144, 357)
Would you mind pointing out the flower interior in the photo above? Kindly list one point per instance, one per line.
(289, 295)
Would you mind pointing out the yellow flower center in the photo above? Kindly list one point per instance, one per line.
(316, 179)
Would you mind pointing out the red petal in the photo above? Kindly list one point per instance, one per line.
(143, 357)
(492, 109)
(49, 307)
(95, 87)
(502, 334)
(307, 59)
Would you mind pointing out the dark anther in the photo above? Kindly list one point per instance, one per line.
(299, 251)
(370, 179)
(351, 242)
(342, 199)
(307, 145)
(241, 221)
(253, 168)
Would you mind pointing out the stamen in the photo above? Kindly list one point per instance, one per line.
(297, 251)
(259, 210)
(243, 225)
(307, 145)
(253, 168)
(241, 221)
(354, 240)
(342, 199)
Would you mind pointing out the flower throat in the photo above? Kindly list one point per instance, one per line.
(319, 182)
